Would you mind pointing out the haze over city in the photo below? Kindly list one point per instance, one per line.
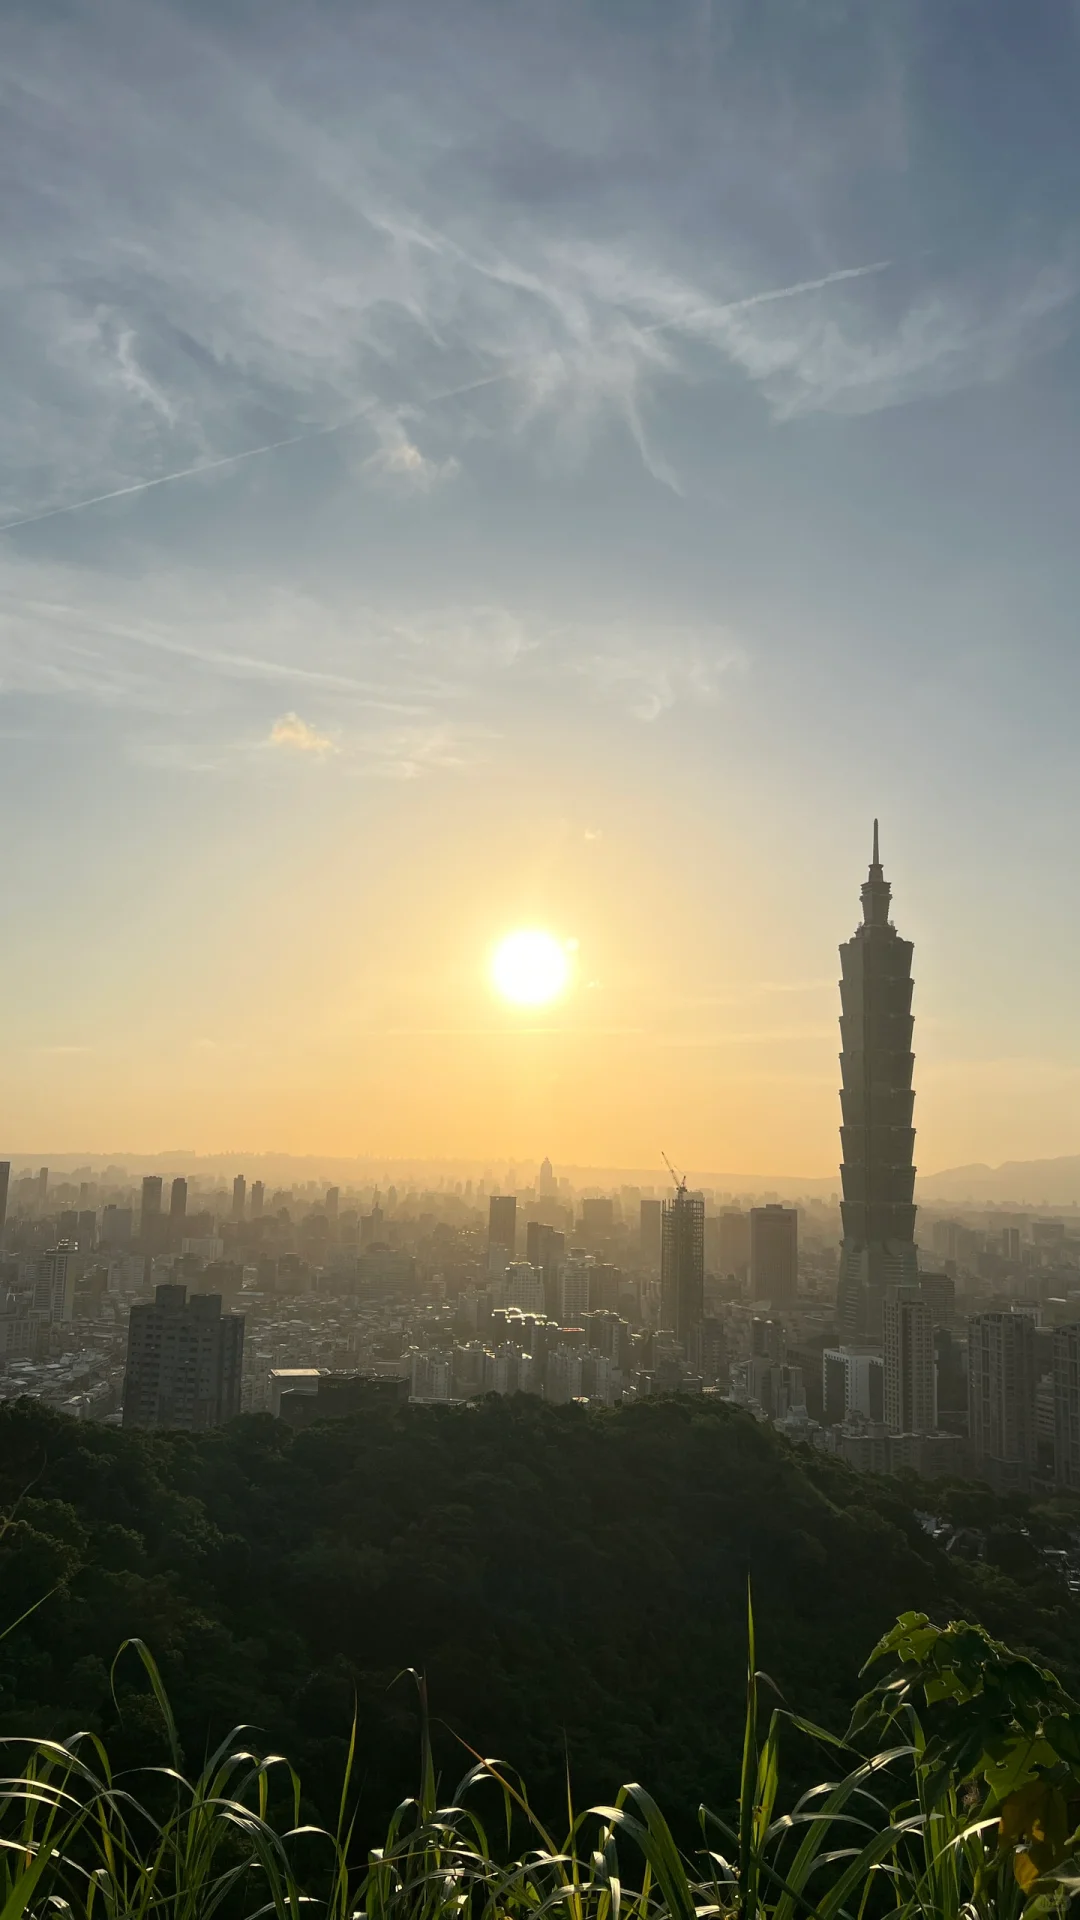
(489, 468)
(540, 1069)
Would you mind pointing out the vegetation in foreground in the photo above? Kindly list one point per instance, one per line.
(573, 1584)
(955, 1791)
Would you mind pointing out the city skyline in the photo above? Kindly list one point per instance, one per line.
(862, 958)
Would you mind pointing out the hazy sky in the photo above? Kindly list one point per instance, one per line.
(668, 414)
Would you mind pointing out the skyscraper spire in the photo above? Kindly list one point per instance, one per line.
(876, 893)
(877, 1135)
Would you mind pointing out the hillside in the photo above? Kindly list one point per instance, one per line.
(1029, 1183)
(573, 1584)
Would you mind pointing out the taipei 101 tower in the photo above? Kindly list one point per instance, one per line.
(877, 1137)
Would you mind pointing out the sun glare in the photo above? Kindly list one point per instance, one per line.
(530, 967)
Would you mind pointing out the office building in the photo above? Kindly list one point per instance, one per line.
(777, 1388)
(1066, 1379)
(5, 1182)
(258, 1195)
(86, 1229)
(177, 1210)
(910, 1377)
(545, 1249)
(502, 1223)
(575, 1286)
(682, 1267)
(150, 1218)
(239, 1197)
(651, 1233)
(547, 1186)
(184, 1361)
(54, 1284)
(877, 1137)
(767, 1338)
(939, 1292)
(524, 1287)
(733, 1244)
(852, 1384)
(116, 1223)
(774, 1254)
(1002, 1384)
(333, 1201)
(597, 1219)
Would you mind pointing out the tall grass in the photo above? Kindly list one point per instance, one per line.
(953, 1792)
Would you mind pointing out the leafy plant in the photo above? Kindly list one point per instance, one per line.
(955, 1798)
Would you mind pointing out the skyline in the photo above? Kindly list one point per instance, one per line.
(441, 497)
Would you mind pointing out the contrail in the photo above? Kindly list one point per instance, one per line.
(234, 459)
(486, 380)
(763, 299)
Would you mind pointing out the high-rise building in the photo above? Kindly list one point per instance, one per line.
(5, 1182)
(597, 1219)
(939, 1292)
(54, 1284)
(150, 1219)
(184, 1359)
(1066, 1378)
(42, 1188)
(524, 1287)
(239, 1197)
(86, 1229)
(733, 1244)
(575, 1286)
(333, 1199)
(910, 1382)
(115, 1226)
(651, 1232)
(1002, 1385)
(547, 1185)
(877, 1136)
(851, 1382)
(682, 1266)
(502, 1223)
(178, 1200)
(545, 1248)
(768, 1340)
(774, 1254)
(258, 1194)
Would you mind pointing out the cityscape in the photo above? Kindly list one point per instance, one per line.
(540, 1069)
(948, 1351)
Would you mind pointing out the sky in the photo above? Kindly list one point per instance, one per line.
(566, 464)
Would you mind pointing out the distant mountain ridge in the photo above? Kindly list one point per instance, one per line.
(1033, 1183)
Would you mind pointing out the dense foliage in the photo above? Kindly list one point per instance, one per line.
(573, 1584)
(955, 1796)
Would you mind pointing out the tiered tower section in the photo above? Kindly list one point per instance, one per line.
(877, 1137)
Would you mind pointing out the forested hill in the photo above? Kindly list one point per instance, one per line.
(574, 1584)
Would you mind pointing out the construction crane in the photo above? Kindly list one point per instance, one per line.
(679, 1178)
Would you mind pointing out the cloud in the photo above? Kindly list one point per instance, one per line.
(648, 674)
(294, 735)
(399, 460)
(267, 238)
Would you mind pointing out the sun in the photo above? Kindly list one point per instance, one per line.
(530, 967)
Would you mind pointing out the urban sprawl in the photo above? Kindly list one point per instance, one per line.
(183, 1303)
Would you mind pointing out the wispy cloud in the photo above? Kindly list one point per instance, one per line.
(251, 262)
(294, 735)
